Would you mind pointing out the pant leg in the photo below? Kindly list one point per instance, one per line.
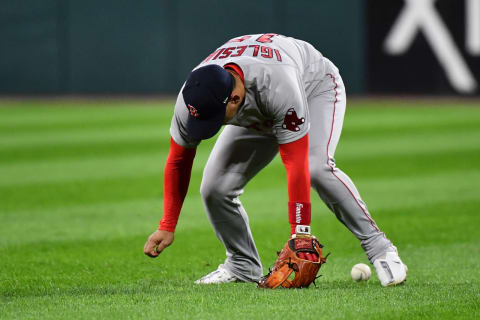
(327, 110)
(237, 156)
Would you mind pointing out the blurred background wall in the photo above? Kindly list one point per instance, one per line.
(149, 46)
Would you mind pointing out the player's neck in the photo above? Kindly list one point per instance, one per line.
(239, 87)
(237, 98)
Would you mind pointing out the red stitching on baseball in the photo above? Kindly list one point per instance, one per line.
(328, 156)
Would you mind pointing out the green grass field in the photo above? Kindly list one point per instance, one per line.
(81, 189)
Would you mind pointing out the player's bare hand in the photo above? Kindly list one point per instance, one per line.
(157, 241)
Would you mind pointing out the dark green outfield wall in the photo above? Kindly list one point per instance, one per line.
(147, 46)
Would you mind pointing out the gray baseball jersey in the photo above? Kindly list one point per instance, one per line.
(279, 74)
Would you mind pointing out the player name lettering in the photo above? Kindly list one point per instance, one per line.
(254, 50)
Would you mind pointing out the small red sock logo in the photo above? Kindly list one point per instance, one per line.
(291, 121)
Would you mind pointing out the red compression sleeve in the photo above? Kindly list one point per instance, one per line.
(175, 183)
(295, 158)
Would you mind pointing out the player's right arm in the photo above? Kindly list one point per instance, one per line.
(176, 179)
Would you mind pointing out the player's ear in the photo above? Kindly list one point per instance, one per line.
(235, 99)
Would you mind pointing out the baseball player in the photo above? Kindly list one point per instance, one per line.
(274, 94)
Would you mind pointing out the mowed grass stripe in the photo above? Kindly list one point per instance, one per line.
(389, 113)
(407, 113)
(107, 224)
(453, 137)
(384, 192)
(93, 124)
(85, 150)
(44, 114)
(79, 258)
(46, 119)
(125, 218)
(373, 166)
(38, 171)
(439, 226)
(408, 120)
(83, 135)
(64, 194)
(409, 164)
(81, 183)
(409, 142)
(123, 146)
(51, 195)
(404, 123)
(378, 193)
(449, 144)
(35, 172)
(461, 119)
(106, 220)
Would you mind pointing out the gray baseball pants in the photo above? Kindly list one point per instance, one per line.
(239, 154)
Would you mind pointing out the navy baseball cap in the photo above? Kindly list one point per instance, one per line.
(206, 95)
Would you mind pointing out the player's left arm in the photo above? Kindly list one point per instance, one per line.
(288, 103)
(295, 159)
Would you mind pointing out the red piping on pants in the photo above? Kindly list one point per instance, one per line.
(365, 212)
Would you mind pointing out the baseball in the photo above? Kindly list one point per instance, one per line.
(360, 272)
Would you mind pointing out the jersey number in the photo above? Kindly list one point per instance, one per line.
(264, 38)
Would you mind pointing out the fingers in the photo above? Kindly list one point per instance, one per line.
(162, 245)
(302, 255)
(149, 249)
(312, 257)
(308, 256)
(152, 250)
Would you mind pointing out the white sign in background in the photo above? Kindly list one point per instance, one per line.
(421, 16)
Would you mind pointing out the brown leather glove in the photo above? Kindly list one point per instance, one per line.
(302, 254)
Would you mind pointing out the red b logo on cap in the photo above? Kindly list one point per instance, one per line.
(193, 111)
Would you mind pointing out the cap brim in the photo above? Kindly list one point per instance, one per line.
(199, 129)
